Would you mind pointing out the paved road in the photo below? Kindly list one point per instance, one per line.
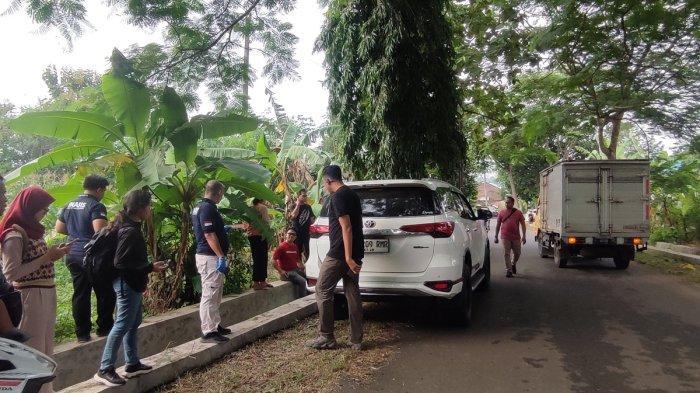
(587, 328)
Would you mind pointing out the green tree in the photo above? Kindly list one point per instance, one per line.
(627, 60)
(206, 42)
(393, 86)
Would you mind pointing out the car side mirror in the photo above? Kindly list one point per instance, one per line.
(483, 214)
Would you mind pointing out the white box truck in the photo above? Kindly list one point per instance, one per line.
(594, 209)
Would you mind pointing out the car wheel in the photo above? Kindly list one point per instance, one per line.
(462, 303)
(560, 257)
(340, 307)
(621, 262)
(486, 281)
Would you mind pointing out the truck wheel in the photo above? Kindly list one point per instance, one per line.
(560, 257)
(486, 282)
(621, 262)
(462, 303)
(542, 249)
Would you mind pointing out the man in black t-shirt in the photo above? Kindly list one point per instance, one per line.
(344, 260)
(80, 219)
(210, 257)
(302, 217)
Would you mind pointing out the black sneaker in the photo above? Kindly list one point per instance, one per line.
(132, 370)
(515, 269)
(109, 377)
(84, 339)
(103, 334)
(214, 337)
(222, 330)
(509, 274)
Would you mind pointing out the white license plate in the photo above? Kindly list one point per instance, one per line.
(377, 245)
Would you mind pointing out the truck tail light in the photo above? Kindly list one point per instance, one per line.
(441, 286)
(437, 229)
(571, 240)
(637, 241)
(317, 231)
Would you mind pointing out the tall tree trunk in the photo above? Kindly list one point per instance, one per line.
(246, 62)
(600, 137)
(511, 180)
(610, 151)
(615, 135)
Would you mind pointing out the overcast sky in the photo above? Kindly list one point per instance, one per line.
(27, 52)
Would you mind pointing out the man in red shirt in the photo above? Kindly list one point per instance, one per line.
(509, 222)
(288, 262)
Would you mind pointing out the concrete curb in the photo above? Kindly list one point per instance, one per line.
(678, 248)
(173, 362)
(78, 362)
(683, 256)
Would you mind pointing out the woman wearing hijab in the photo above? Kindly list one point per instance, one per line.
(28, 263)
(133, 267)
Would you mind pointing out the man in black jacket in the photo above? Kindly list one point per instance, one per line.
(80, 219)
(344, 261)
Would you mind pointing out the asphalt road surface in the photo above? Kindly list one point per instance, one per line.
(586, 328)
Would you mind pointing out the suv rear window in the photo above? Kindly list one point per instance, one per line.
(395, 202)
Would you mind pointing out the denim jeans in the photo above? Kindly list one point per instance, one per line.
(125, 329)
(297, 278)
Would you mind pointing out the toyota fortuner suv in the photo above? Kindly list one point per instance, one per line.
(422, 239)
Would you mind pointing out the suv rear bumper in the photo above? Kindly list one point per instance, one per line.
(405, 284)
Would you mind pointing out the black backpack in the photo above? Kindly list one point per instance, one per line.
(99, 254)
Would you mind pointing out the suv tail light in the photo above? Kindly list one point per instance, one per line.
(441, 286)
(437, 229)
(317, 231)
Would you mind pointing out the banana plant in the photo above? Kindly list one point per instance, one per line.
(147, 142)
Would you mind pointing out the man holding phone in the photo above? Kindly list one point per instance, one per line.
(344, 260)
(80, 219)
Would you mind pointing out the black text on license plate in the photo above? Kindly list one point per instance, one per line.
(376, 245)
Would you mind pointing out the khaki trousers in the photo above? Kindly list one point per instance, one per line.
(39, 321)
(212, 290)
(332, 270)
(514, 246)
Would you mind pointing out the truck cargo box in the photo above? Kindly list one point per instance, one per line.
(599, 204)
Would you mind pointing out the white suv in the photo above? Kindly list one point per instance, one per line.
(422, 239)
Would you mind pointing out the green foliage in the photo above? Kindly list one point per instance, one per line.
(627, 60)
(675, 181)
(393, 87)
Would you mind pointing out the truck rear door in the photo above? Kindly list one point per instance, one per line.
(628, 200)
(583, 196)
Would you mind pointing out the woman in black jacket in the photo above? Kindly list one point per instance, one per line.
(131, 262)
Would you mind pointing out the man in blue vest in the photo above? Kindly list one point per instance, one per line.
(80, 219)
(212, 247)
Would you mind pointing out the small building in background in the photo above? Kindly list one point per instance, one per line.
(490, 195)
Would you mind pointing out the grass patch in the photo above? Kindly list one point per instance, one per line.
(669, 265)
(281, 363)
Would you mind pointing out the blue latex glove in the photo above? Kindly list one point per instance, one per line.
(222, 265)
